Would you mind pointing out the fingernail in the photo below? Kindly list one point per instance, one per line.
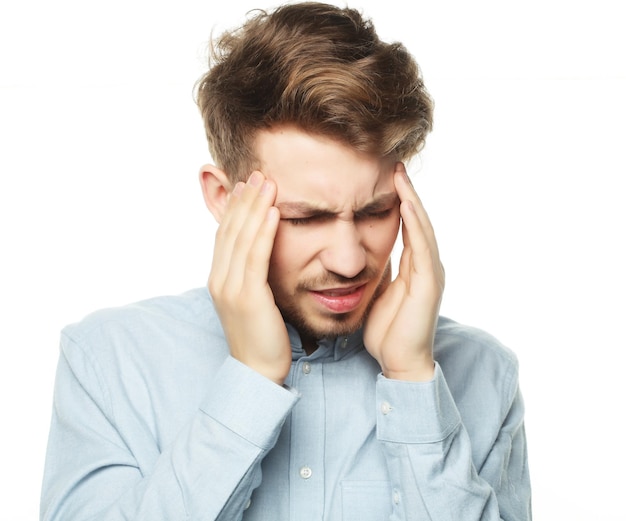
(255, 179)
(238, 188)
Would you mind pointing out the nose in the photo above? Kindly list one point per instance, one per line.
(344, 253)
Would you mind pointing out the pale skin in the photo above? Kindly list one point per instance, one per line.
(313, 232)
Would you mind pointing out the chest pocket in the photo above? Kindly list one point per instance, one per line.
(365, 500)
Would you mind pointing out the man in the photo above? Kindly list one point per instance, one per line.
(305, 383)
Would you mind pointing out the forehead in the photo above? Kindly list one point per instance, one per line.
(320, 170)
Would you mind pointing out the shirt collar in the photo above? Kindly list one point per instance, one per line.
(335, 347)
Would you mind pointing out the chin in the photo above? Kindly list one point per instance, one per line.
(326, 327)
(316, 325)
(313, 324)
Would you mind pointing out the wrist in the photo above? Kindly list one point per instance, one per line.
(418, 371)
(276, 372)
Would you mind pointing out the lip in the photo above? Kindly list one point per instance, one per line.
(340, 300)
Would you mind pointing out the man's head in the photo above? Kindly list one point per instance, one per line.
(310, 97)
(317, 67)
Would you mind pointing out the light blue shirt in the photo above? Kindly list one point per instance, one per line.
(154, 420)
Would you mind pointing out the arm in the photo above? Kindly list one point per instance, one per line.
(429, 455)
(212, 467)
(428, 450)
(207, 473)
(253, 324)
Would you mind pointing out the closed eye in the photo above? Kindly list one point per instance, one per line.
(313, 219)
(360, 216)
(374, 215)
(302, 214)
(297, 221)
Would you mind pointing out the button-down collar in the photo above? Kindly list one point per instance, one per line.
(336, 347)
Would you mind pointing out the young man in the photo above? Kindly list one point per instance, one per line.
(305, 383)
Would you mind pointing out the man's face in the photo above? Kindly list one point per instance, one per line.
(339, 221)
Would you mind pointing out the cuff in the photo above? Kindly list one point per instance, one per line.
(248, 404)
(415, 412)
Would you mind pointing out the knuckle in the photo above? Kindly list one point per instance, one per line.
(229, 297)
(213, 283)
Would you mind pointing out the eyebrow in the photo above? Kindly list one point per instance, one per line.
(306, 209)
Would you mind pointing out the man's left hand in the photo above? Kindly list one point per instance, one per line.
(400, 329)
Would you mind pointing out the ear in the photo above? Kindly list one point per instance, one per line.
(216, 188)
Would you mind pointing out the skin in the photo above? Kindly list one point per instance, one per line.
(308, 239)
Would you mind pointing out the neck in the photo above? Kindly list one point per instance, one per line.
(309, 344)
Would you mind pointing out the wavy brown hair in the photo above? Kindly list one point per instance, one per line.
(316, 66)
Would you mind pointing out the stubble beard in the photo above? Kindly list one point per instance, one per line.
(335, 324)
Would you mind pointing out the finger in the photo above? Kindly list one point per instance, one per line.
(243, 213)
(416, 244)
(239, 204)
(224, 241)
(258, 261)
(255, 241)
(407, 194)
(249, 218)
(420, 256)
(405, 258)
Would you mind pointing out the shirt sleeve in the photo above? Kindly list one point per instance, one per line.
(207, 473)
(429, 455)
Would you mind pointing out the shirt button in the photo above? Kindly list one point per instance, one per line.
(385, 408)
(306, 367)
(247, 504)
(396, 497)
(344, 342)
(305, 472)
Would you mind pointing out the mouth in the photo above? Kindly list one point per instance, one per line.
(340, 300)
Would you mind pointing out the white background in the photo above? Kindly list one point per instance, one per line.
(100, 144)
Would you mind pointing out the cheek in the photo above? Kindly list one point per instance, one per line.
(291, 250)
(381, 237)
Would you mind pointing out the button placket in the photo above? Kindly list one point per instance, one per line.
(307, 447)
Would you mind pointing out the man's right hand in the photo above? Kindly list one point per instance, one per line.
(253, 325)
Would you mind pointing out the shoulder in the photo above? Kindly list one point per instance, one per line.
(146, 324)
(471, 358)
(191, 307)
(146, 364)
(472, 342)
(482, 375)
